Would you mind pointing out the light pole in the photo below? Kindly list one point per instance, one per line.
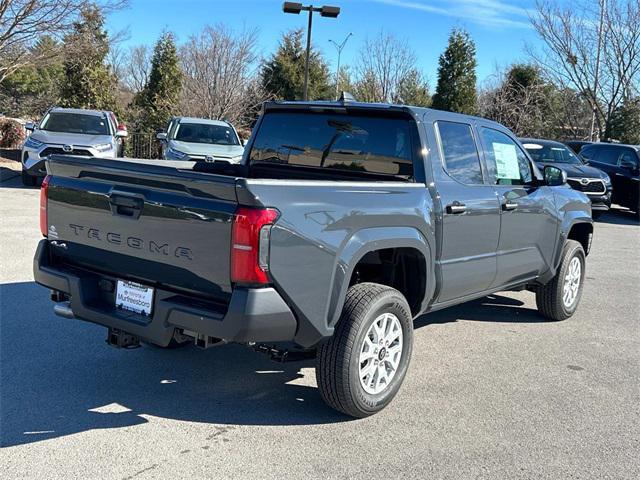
(603, 6)
(325, 11)
(339, 47)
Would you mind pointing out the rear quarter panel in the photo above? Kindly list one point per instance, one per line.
(323, 230)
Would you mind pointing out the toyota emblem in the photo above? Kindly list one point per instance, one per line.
(209, 159)
(67, 148)
(584, 181)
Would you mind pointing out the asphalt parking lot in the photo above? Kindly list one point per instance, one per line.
(493, 391)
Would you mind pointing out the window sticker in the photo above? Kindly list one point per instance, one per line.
(506, 161)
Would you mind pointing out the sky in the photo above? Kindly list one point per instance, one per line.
(500, 28)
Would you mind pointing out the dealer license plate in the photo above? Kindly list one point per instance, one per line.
(134, 297)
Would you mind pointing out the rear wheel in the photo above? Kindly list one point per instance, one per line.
(360, 369)
(559, 299)
(27, 180)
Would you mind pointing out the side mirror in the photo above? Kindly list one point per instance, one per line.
(122, 133)
(243, 142)
(30, 126)
(161, 135)
(554, 176)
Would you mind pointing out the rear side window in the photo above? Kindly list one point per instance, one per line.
(461, 158)
(506, 162)
(354, 143)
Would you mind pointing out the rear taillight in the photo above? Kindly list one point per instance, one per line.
(44, 191)
(250, 244)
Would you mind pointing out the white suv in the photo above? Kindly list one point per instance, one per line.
(201, 140)
(86, 133)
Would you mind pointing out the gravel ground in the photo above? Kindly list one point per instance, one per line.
(493, 391)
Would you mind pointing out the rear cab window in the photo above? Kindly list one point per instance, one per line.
(343, 144)
(459, 151)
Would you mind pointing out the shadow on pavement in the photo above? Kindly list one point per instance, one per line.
(618, 216)
(55, 373)
(58, 377)
(494, 308)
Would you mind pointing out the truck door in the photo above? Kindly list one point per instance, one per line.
(470, 214)
(528, 224)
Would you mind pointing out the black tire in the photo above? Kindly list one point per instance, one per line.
(27, 180)
(549, 297)
(338, 360)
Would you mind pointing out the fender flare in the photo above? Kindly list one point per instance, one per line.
(369, 240)
(568, 222)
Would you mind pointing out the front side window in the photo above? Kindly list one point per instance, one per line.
(206, 133)
(349, 143)
(67, 122)
(506, 162)
(606, 155)
(628, 158)
(461, 158)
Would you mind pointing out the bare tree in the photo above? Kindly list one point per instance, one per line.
(23, 22)
(382, 65)
(601, 60)
(219, 74)
(137, 67)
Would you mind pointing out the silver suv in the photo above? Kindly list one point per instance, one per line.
(86, 133)
(201, 140)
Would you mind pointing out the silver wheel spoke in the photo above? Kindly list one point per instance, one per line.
(380, 353)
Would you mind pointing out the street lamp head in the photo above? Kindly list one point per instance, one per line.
(292, 7)
(328, 11)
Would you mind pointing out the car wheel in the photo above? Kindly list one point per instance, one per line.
(361, 367)
(27, 180)
(559, 299)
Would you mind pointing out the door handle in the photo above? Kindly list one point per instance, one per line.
(456, 208)
(509, 205)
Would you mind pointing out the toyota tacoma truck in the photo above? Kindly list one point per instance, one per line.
(343, 223)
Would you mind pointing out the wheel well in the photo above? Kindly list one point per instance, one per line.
(401, 268)
(581, 232)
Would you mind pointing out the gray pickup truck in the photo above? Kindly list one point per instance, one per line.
(343, 223)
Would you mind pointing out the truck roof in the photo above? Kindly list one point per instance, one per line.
(442, 114)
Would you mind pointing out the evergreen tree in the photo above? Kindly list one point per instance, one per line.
(413, 90)
(625, 123)
(456, 89)
(88, 82)
(29, 91)
(283, 74)
(159, 99)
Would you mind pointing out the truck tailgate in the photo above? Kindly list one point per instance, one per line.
(152, 224)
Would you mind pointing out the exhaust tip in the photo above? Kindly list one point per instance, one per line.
(63, 310)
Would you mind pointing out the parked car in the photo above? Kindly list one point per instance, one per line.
(85, 133)
(344, 222)
(121, 127)
(576, 145)
(595, 183)
(201, 140)
(621, 162)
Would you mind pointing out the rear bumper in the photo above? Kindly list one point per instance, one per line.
(253, 315)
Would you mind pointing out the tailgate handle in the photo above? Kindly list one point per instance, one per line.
(126, 204)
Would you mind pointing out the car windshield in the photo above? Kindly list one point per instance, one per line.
(66, 122)
(553, 153)
(206, 133)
